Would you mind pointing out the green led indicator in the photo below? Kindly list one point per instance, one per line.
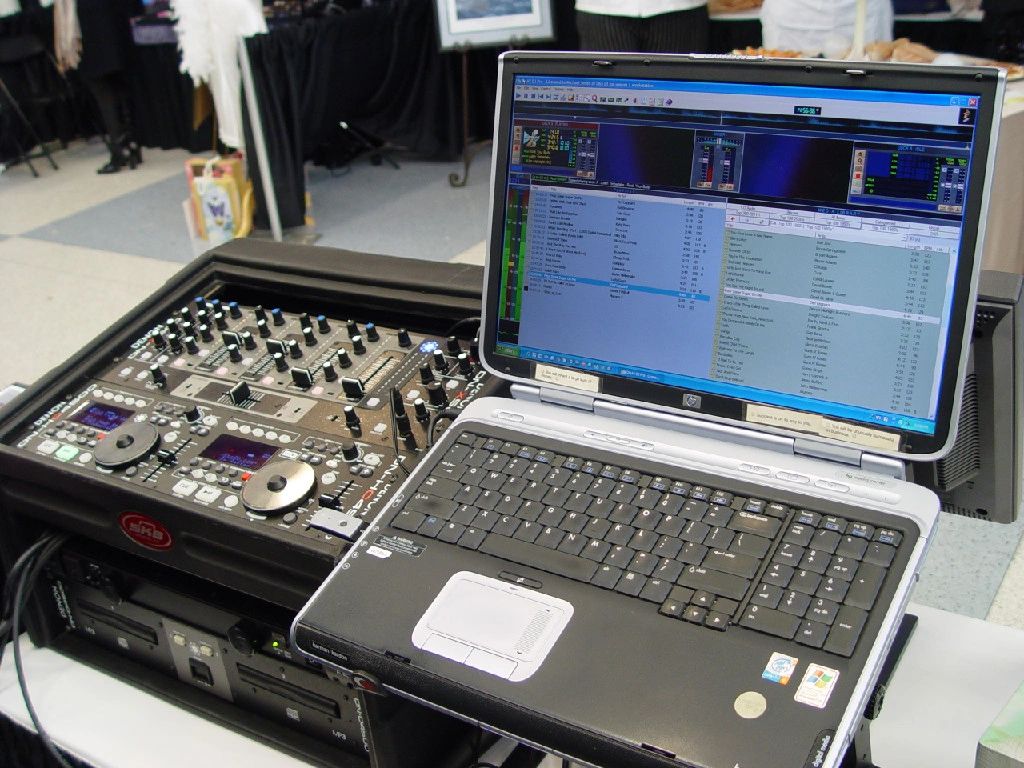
(276, 644)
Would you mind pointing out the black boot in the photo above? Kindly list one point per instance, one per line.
(134, 154)
(119, 156)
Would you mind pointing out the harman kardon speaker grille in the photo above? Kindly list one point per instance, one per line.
(964, 461)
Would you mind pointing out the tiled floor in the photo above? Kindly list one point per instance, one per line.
(77, 250)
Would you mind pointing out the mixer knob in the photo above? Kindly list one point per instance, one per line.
(157, 374)
(294, 350)
(402, 425)
(422, 414)
(220, 321)
(200, 302)
(280, 362)
(201, 317)
(185, 314)
(371, 332)
(322, 325)
(277, 316)
(205, 333)
(465, 367)
(172, 326)
(248, 341)
(440, 362)
(192, 413)
(453, 346)
(349, 450)
(302, 378)
(343, 359)
(352, 420)
(426, 374)
(234, 310)
(329, 373)
(174, 342)
(260, 313)
(263, 328)
(229, 338)
(190, 345)
(239, 393)
(213, 305)
(159, 341)
(234, 353)
(353, 388)
(403, 338)
(307, 332)
(438, 396)
(352, 327)
(357, 345)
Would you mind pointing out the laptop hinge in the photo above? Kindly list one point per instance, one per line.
(553, 396)
(840, 454)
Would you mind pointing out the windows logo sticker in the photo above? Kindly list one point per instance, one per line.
(817, 685)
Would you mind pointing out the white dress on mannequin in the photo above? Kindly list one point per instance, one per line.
(822, 26)
(208, 32)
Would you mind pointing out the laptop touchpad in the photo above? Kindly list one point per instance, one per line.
(492, 625)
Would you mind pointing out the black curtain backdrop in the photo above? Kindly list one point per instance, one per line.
(378, 69)
(61, 120)
(161, 98)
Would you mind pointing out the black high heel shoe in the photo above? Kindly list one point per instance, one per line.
(119, 156)
(134, 154)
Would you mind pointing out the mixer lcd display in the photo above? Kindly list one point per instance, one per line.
(102, 416)
(247, 454)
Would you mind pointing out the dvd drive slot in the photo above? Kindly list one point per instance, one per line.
(118, 622)
(288, 691)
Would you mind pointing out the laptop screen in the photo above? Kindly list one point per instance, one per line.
(791, 248)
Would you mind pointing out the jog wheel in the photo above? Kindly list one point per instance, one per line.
(126, 444)
(278, 487)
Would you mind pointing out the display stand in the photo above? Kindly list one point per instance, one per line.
(859, 753)
(469, 148)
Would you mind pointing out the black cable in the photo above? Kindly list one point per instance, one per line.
(464, 321)
(26, 583)
(394, 436)
(447, 415)
(13, 575)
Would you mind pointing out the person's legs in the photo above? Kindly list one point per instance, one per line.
(599, 32)
(108, 91)
(677, 32)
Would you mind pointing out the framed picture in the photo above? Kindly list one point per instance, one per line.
(480, 23)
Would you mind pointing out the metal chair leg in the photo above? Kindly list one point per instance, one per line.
(28, 125)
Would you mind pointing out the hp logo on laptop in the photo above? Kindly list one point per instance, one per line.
(691, 400)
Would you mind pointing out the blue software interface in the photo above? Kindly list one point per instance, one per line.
(786, 245)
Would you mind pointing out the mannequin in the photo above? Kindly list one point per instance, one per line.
(208, 32)
(822, 26)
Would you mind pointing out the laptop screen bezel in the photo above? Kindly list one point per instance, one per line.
(983, 82)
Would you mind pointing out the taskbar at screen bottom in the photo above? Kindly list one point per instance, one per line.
(866, 416)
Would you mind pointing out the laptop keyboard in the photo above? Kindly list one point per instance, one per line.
(703, 555)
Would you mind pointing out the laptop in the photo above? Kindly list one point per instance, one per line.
(733, 298)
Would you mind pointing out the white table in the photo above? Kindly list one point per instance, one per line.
(955, 677)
